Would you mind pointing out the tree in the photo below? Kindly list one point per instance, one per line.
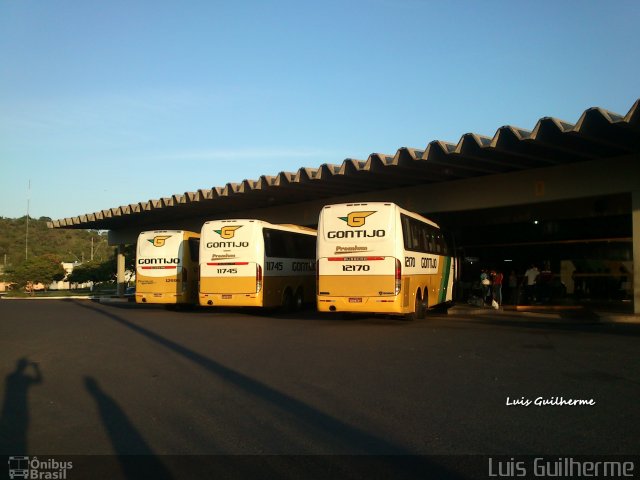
(43, 269)
(94, 272)
(69, 245)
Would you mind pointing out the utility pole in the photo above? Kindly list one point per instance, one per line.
(26, 237)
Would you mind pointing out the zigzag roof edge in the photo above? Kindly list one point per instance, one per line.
(359, 165)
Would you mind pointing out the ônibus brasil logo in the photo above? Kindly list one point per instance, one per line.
(228, 232)
(356, 219)
(31, 467)
(158, 241)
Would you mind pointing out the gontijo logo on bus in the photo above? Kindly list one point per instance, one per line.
(158, 240)
(228, 232)
(356, 219)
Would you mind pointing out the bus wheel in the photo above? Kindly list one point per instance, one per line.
(419, 308)
(287, 301)
(299, 299)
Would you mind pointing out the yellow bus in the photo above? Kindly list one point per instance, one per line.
(167, 267)
(379, 258)
(252, 263)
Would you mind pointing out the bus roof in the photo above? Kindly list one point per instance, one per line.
(264, 223)
(384, 204)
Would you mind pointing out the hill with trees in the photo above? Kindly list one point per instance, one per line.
(69, 245)
(34, 253)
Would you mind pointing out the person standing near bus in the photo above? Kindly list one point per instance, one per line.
(485, 281)
(496, 280)
(530, 277)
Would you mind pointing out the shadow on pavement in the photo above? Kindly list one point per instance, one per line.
(125, 438)
(14, 419)
(326, 428)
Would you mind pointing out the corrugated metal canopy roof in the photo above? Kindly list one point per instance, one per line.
(597, 134)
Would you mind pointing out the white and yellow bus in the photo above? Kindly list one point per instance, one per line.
(379, 258)
(252, 263)
(167, 267)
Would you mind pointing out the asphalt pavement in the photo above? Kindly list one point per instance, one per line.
(84, 378)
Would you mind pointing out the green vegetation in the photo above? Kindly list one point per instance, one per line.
(68, 245)
(94, 271)
(43, 269)
(47, 248)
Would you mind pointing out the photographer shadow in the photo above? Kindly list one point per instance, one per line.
(14, 419)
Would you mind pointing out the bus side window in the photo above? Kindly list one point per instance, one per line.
(304, 246)
(274, 243)
(289, 245)
(424, 240)
(309, 246)
(431, 247)
(415, 236)
(266, 235)
(441, 244)
(406, 232)
(194, 249)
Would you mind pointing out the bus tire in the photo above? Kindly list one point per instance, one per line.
(419, 308)
(298, 300)
(421, 312)
(287, 301)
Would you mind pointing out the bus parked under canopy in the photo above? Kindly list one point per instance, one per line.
(252, 263)
(379, 258)
(167, 267)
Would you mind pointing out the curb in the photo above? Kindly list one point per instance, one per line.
(107, 300)
(73, 297)
(68, 297)
(571, 314)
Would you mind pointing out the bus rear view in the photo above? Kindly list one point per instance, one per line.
(230, 270)
(379, 258)
(358, 261)
(167, 267)
(252, 263)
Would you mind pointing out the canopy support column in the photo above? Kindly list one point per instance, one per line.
(121, 284)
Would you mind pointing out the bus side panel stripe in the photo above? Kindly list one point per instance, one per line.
(445, 280)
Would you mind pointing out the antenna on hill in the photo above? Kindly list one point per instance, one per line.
(26, 237)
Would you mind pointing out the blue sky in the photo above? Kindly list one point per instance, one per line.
(104, 104)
